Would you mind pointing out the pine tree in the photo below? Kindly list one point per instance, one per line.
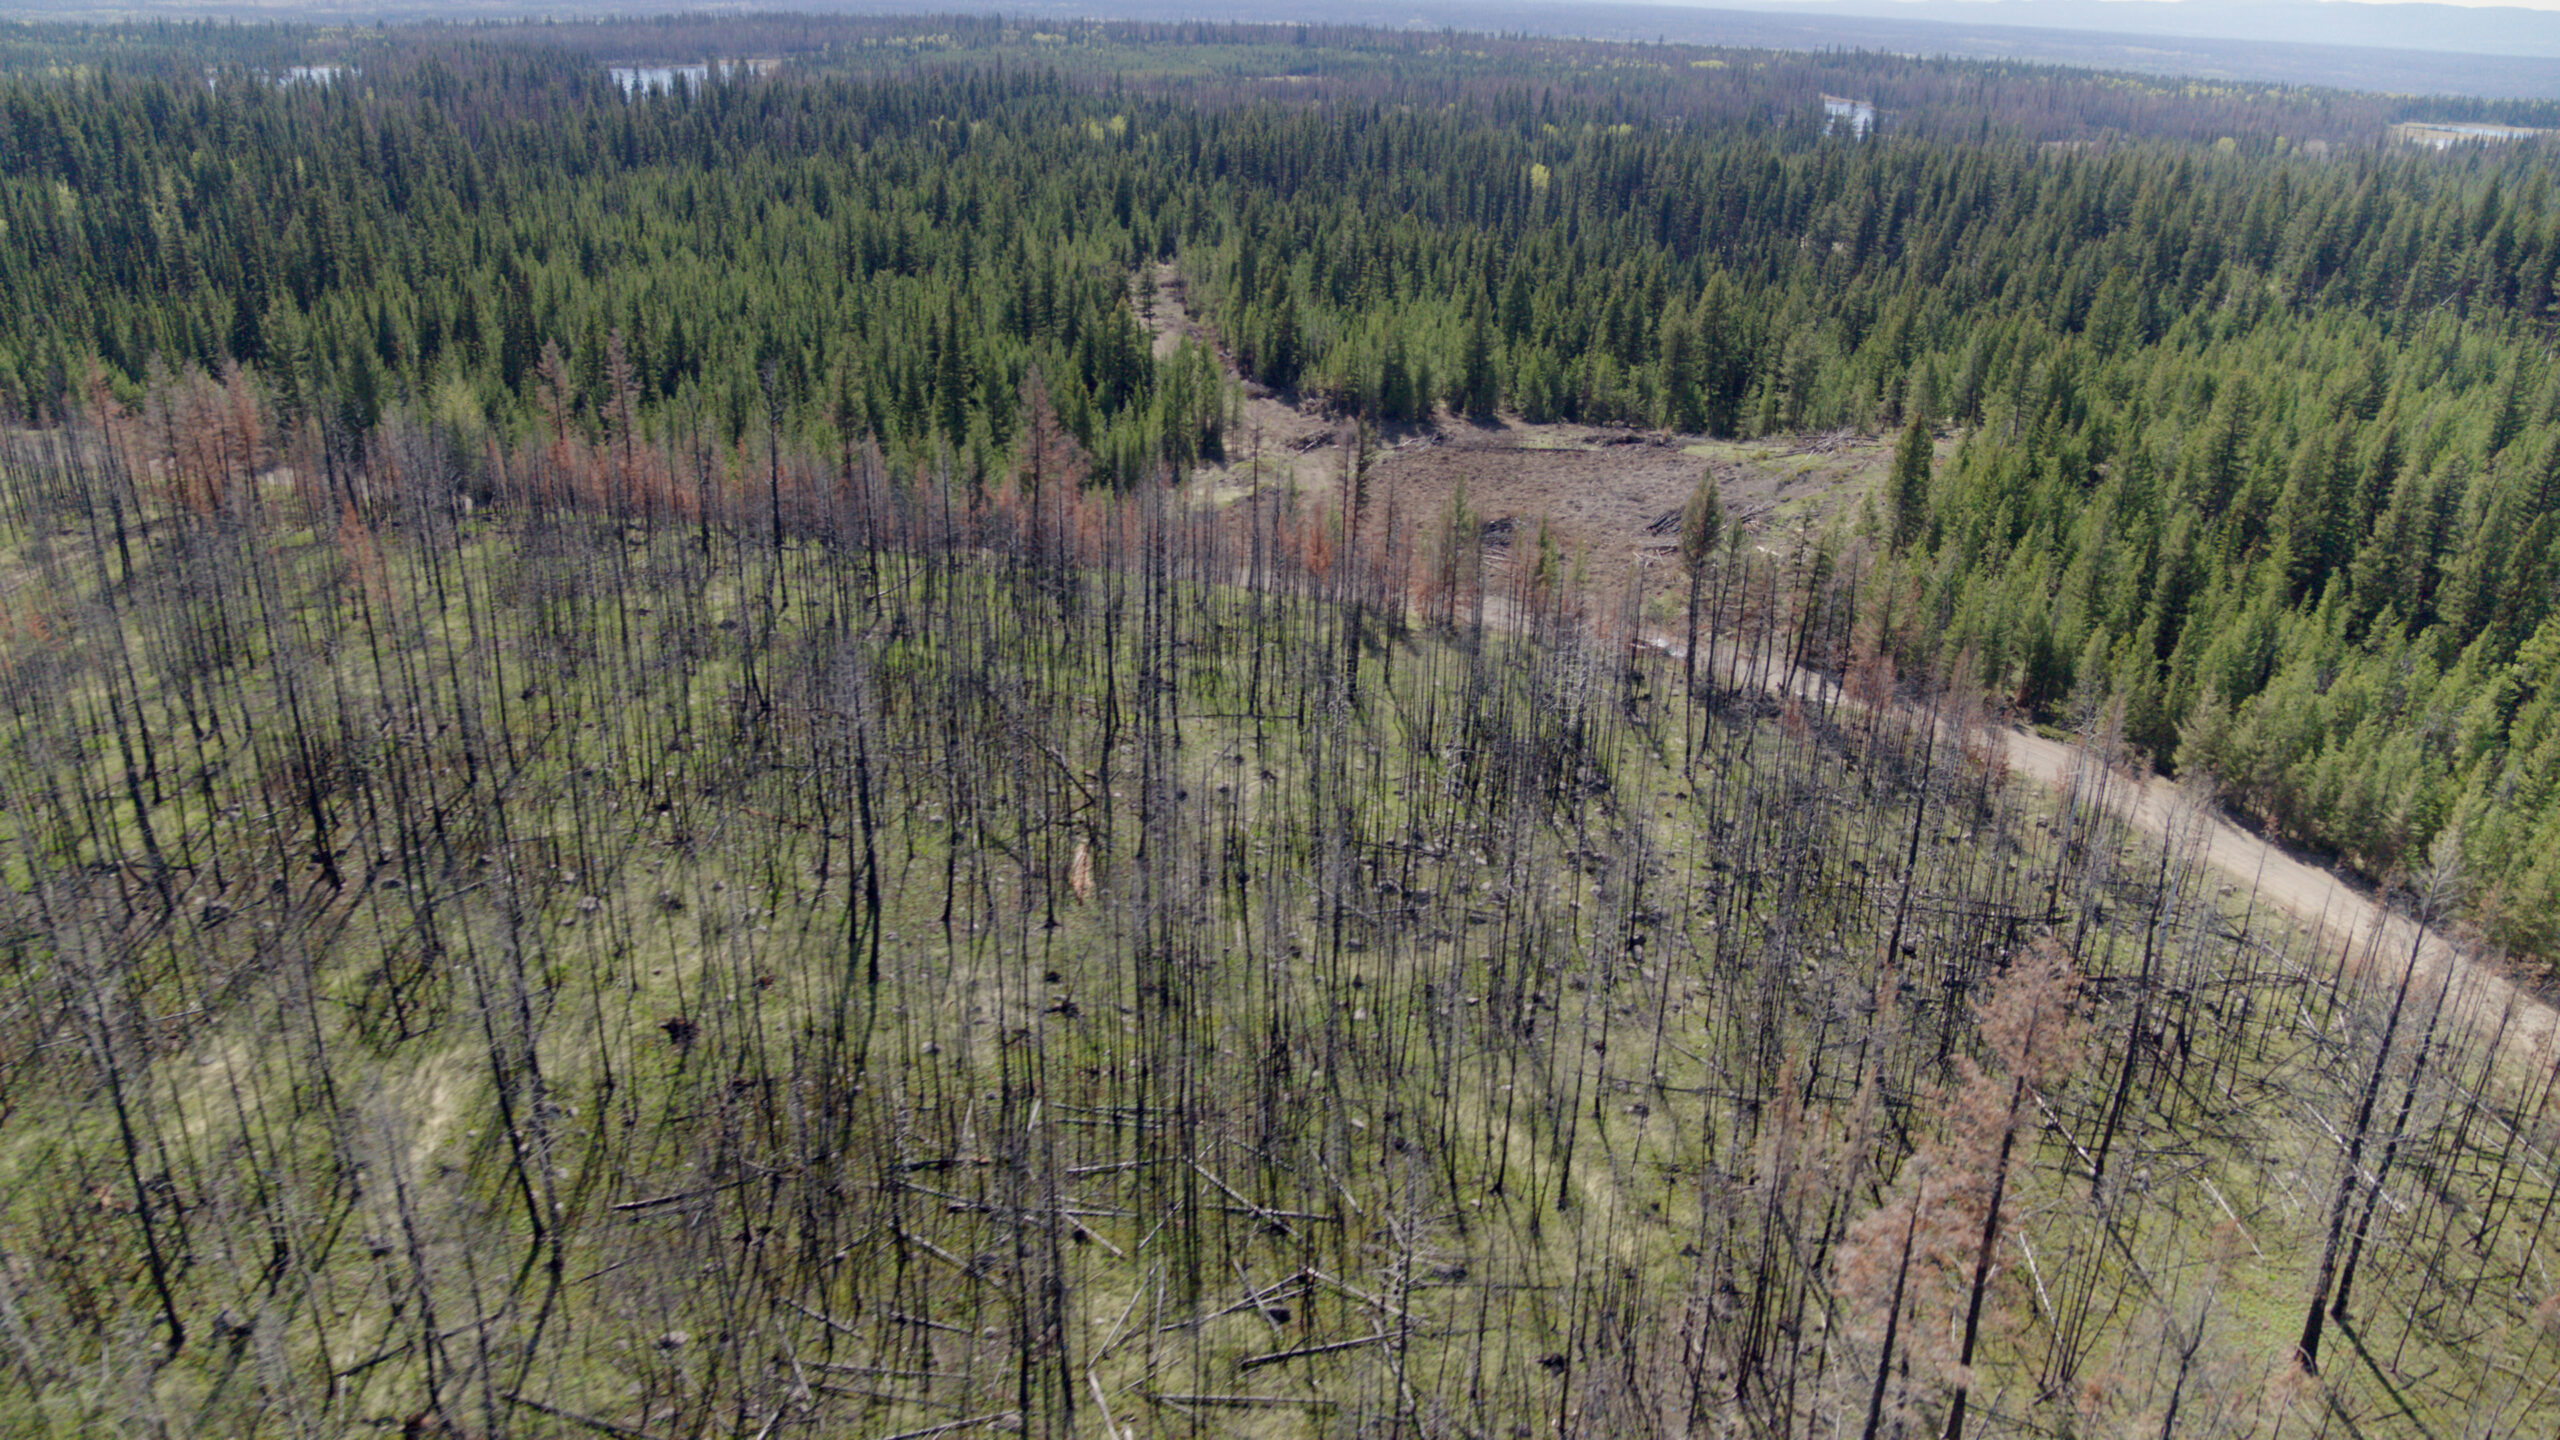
(1908, 486)
(1479, 390)
(1398, 402)
(1701, 526)
(1281, 353)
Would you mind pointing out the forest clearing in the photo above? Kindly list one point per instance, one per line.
(1614, 498)
(970, 949)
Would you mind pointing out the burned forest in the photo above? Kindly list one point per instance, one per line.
(783, 755)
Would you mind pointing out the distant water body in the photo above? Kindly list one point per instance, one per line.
(1860, 114)
(658, 79)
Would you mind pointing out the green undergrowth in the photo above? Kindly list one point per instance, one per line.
(686, 980)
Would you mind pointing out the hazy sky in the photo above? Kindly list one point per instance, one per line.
(2467, 4)
(2515, 43)
(2544, 5)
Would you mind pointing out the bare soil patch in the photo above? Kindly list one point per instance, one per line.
(1613, 496)
(1611, 493)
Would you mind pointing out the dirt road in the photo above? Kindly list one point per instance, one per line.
(1608, 490)
(2342, 916)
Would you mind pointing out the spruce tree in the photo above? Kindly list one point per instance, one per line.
(1908, 487)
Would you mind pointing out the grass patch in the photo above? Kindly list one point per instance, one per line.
(1110, 957)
